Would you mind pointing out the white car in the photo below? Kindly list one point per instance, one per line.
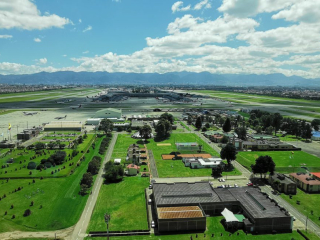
(149, 201)
(236, 185)
(223, 180)
(153, 224)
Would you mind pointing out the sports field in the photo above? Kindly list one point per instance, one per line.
(285, 161)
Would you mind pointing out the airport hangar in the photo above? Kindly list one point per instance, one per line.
(184, 207)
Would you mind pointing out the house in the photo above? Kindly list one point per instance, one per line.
(63, 126)
(196, 163)
(283, 184)
(306, 182)
(263, 145)
(27, 134)
(262, 137)
(109, 113)
(316, 175)
(187, 146)
(132, 170)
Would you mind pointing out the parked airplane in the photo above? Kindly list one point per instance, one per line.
(58, 118)
(76, 107)
(30, 113)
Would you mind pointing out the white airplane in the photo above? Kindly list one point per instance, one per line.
(30, 113)
(58, 118)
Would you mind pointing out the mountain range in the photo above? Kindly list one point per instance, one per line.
(174, 78)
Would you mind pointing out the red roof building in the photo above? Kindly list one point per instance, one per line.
(306, 182)
(316, 175)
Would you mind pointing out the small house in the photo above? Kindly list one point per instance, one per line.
(132, 170)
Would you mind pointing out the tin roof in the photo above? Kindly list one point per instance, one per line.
(179, 212)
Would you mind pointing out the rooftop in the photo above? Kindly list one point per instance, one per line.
(179, 212)
(305, 178)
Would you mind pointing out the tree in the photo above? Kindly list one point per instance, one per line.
(224, 139)
(229, 153)
(84, 189)
(264, 164)
(276, 122)
(51, 145)
(106, 125)
(58, 157)
(204, 129)
(217, 171)
(80, 140)
(145, 132)
(315, 124)
(269, 130)
(189, 120)
(207, 125)
(163, 128)
(114, 173)
(94, 165)
(242, 133)
(198, 123)
(306, 132)
(87, 179)
(167, 116)
(32, 165)
(227, 125)
(40, 146)
(210, 119)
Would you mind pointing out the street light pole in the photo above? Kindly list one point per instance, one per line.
(107, 219)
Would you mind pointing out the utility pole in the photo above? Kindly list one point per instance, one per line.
(107, 220)
(307, 223)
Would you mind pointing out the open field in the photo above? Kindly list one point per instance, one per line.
(61, 203)
(21, 158)
(309, 114)
(288, 138)
(230, 96)
(285, 161)
(213, 227)
(126, 204)
(308, 203)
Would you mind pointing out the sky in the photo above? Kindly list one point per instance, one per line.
(147, 36)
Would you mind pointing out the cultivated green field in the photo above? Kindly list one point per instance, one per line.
(125, 201)
(21, 158)
(308, 203)
(215, 227)
(61, 203)
(285, 161)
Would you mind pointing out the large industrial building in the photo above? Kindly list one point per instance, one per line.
(63, 126)
(109, 113)
(183, 207)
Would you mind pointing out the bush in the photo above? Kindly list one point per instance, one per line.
(27, 213)
(87, 179)
(114, 173)
(32, 165)
(94, 165)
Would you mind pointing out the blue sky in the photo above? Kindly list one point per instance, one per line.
(218, 36)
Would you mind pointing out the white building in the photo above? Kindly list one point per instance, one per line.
(202, 162)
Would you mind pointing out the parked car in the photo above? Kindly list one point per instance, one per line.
(149, 201)
(153, 225)
(236, 185)
(150, 186)
(250, 184)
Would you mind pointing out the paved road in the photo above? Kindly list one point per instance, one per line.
(154, 170)
(312, 147)
(294, 212)
(80, 229)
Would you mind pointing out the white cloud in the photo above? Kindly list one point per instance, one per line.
(303, 11)
(85, 52)
(64, 55)
(37, 39)
(116, 0)
(43, 61)
(178, 7)
(24, 14)
(247, 8)
(200, 5)
(80, 20)
(89, 28)
(5, 36)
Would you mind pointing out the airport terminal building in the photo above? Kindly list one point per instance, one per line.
(184, 207)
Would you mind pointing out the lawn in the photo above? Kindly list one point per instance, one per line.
(185, 126)
(125, 202)
(308, 203)
(213, 227)
(176, 168)
(285, 161)
(17, 169)
(61, 203)
(288, 138)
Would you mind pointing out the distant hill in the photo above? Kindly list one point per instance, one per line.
(203, 78)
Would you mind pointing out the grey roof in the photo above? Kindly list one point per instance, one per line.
(257, 204)
(184, 193)
(281, 178)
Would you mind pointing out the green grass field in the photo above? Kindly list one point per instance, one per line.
(61, 203)
(288, 138)
(308, 203)
(125, 201)
(214, 227)
(18, 169)
(282, 159)
(185, 126)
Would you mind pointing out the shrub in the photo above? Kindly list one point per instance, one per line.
(27, 213)
(32, 165)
